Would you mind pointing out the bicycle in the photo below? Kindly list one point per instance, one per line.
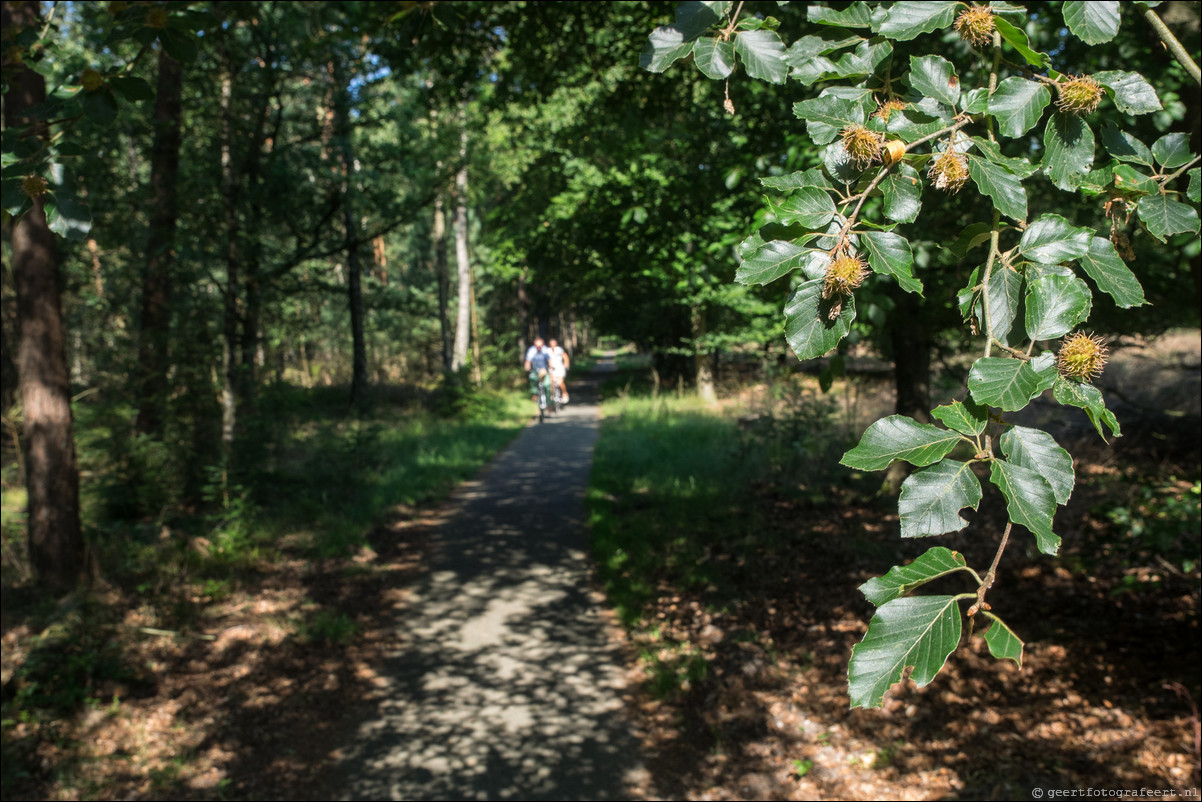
(540, 388)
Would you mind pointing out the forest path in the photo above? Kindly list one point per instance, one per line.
(506, 683)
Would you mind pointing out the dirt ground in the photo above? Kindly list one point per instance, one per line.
(240, 707)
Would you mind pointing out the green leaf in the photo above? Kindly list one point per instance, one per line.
(864, 60)
(1132, 92)
(990, 150)
(694, 18)
(1051, 239)
(1005, 292)
(1132, 181)
(1068, 150)
(71, 219)
(1088, 398)
(899, 437)
(1172, 150)
(935, 77)
(975, 101)
(936, 562)
(100, 106)
(890, 255)
(1111, 274)
(762, 53)
(132, 88)
(968, 418)
(1017, 39)
(826, 116)
(917, 631)
(857, 15)
(1018, 104)
(810, 206)
(1029, 501)
(665, 45)
(802, 178)
(1125, 147)
(1003, 187)
(1165, 217)
(769, 262)
(714, 58)
(973, 235)
(1194, 192)
(902, 190)
(1056, 305)
(907, 19)
(12, 199)
(1038, 451)
(1092, 21)
(810, 47)
(931, 499)
(1007, 383)
(1003, 643)
(808, 326)
(180, 45)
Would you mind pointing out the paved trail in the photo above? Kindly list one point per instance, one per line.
(506, 685)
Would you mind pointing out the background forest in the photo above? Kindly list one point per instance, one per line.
(300, 249)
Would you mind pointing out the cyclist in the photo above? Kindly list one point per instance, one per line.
(560, 362)
(538, 364)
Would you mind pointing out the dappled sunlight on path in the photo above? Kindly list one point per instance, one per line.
(505, 682)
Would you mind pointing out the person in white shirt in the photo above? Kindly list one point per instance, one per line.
(560, 362)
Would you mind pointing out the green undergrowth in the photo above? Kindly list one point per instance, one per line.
(673, 496)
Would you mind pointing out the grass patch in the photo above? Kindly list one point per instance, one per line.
(671, 499)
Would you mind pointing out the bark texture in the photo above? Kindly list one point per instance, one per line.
(55, 540)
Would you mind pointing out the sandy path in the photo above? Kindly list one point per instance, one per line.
(506, 684)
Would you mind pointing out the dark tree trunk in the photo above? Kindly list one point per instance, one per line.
(229, 346)
(52, 480)
(156, 280)
(910, 343)
(439, 236)
(350, 223)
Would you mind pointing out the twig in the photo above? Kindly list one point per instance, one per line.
(1175, 47)
(991, 574)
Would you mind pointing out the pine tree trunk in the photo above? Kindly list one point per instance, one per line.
(156, 279)
(229, 347)
(351, 234)
(439, 235)
(52, 480)
(463, 314)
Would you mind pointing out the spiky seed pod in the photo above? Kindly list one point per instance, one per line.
(883, 110)
(843, 275)
(34, 186)
(156, 18)
(863, 146)
(1079, 95)
(975, 25)
(949, 171)
(1082, 357)
(91, 80)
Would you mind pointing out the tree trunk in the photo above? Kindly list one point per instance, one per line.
(703, 360)
(439, 236)
(463, 314)
(229, 347)
(910, 343)
(156, 280)
(52, 480)
(350, 224)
